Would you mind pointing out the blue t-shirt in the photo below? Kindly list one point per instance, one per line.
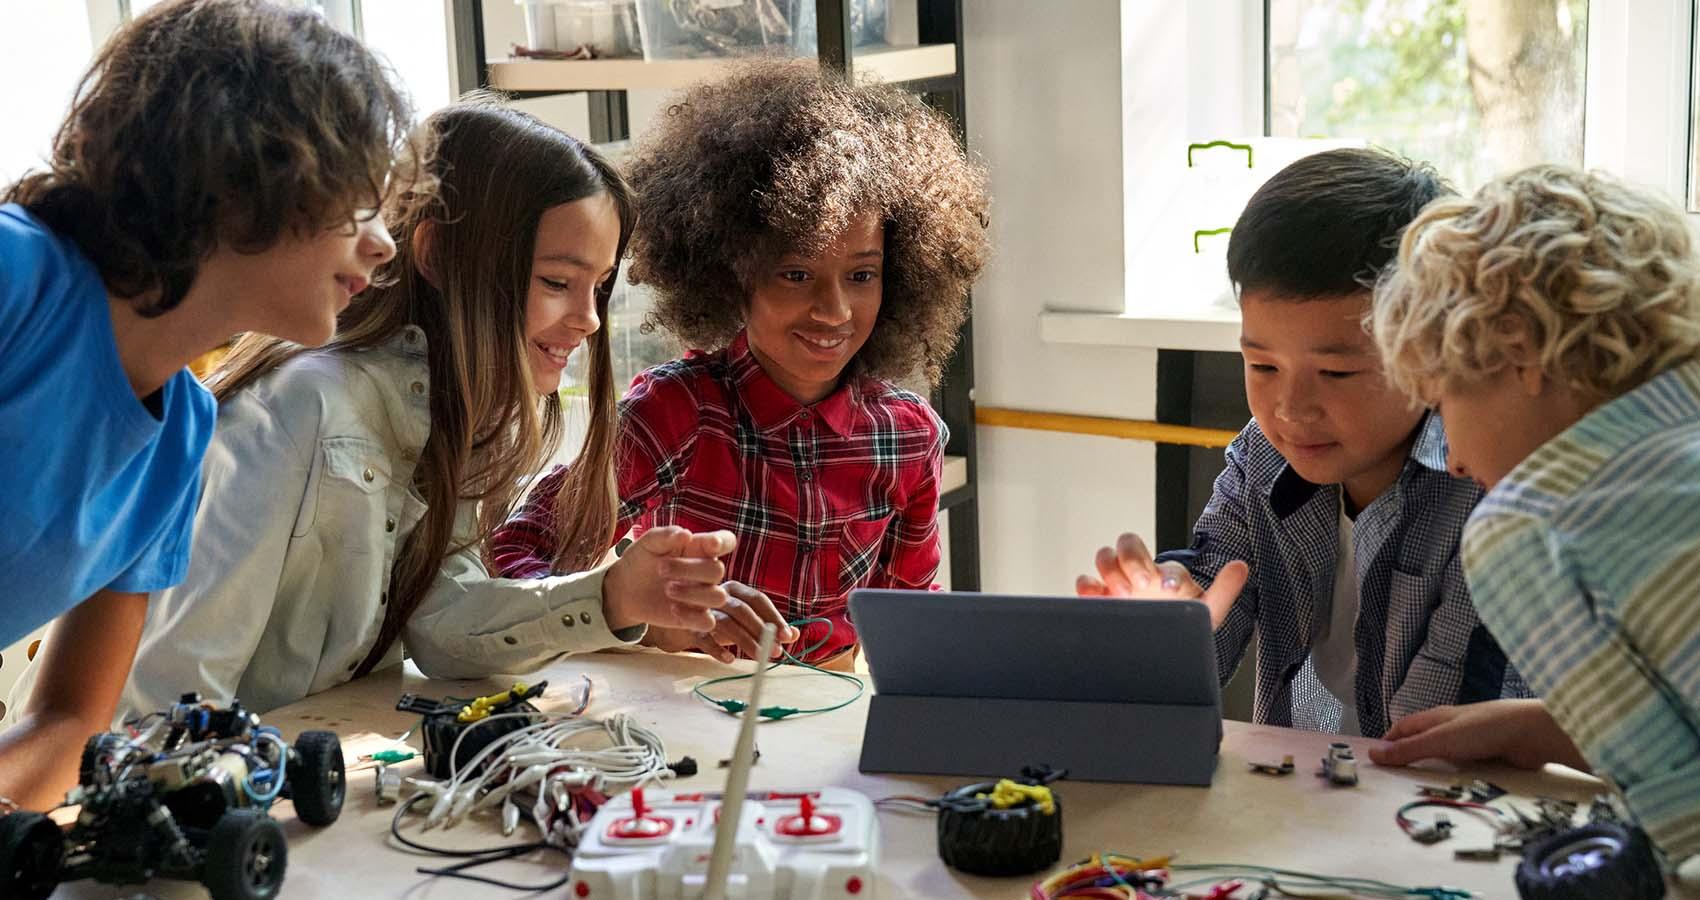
(98, 491)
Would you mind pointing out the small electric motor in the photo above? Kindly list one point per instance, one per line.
(481, 720)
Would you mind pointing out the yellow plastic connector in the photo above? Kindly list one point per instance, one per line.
(480, 709)
(1012, 793)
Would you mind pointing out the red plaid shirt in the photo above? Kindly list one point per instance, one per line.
(824, 499)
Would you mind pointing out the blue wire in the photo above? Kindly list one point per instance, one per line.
(262, 774)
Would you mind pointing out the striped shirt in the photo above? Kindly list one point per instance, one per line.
(1585, 563)
(824, 499)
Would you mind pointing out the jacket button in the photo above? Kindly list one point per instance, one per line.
(353, 665)
(567, 620)
(389, 524)
(418, 387)
(368, 475)
(510, 640)
(584, 617)
(383, 598)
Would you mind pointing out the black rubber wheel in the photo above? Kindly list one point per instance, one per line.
(246, 856)
(97, 746)
(316, 780)
(32, 849)
(1589, 863)
(981, 840)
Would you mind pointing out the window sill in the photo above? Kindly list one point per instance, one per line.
(1215, 330)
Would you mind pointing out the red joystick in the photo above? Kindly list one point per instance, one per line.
(806, 823)
(641, 826)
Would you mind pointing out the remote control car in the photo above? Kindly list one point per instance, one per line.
(185, 795)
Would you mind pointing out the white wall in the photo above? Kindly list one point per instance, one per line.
(39, 70)
(1044, 112)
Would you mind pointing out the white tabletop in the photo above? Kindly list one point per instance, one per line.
(1296, 822)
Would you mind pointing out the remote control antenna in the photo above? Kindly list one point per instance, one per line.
(737, 778)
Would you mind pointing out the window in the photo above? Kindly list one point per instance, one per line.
(1476, 87)
(632, 349)
(40, 70)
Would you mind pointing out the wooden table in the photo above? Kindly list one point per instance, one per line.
(1296, 821)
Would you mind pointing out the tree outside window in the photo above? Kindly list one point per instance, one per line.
(1476, 87)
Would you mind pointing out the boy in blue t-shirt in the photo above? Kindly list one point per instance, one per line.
(185, 201)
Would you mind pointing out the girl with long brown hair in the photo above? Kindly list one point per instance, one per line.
(350, 489)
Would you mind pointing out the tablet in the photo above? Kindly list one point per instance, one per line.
(985, 684)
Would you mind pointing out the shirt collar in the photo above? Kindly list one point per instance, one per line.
(772, 408)
(1291, 491)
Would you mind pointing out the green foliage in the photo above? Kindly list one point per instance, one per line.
(1396, 72)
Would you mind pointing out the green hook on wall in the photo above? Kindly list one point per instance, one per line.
(1229, 144)
(1204, 233)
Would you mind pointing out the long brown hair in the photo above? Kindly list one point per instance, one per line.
(498, 171)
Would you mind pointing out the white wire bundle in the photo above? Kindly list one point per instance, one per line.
(546, 758)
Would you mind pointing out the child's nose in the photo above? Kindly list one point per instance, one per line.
(1295, 406)
(831, 307)
(375, 241)
(580, 313)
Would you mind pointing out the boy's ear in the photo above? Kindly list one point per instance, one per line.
(1520, 352)
(1531, 379)
(424, 251)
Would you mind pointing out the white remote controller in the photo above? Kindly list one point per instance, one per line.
(799, 845)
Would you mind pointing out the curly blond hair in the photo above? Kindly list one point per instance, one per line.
(1597, 279)
(779, 157)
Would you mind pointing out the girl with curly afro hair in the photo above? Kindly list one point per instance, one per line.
(818, 240)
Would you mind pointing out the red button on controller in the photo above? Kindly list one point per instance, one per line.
(807, 823)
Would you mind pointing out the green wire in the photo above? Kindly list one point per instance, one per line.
(784, 712)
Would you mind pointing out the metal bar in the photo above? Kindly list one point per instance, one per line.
(832, 24)
(471, 67)
(956, 497)
(940, 22)
(608, 119)
(1173, 463)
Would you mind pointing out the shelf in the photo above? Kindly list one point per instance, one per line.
(1208, 330)
(955, 474)
(888, 64)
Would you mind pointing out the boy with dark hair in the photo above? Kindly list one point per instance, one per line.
(215, 175)
(1337, 493)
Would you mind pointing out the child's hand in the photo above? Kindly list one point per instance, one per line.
(1520, 732)
(668, 578)
(738, 624)
(1129, 571)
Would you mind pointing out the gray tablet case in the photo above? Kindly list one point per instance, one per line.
(985, 684)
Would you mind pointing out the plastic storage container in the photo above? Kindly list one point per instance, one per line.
(692, 29)
(604, 29)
